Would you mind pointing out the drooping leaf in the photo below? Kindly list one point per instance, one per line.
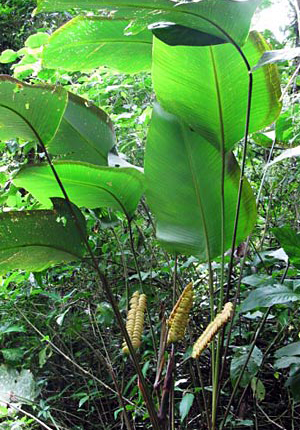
(258, 388)
(85, 133)
(85, 43)
(289, 153)
(208, 88)
(185, 405)
(179, 35)
(194, 14)
(183, 189)
(290, 349)
(290, 242)
(34, 240)
(287, 361)
(270, 57)
(269, 296)
(238, 361)
(30, 110)
(86, 184)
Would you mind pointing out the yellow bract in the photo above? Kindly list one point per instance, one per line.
(135, 320)
(180, 315)
(210, 331)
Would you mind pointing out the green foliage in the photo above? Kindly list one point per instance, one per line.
(239, 360)
(183, 174)
(34, 240)
(290, 241)
(210, 94)
(86, 43)
(60, 322)
(195, 15)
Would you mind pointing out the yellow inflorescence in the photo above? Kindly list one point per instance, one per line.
(180, 315)
(135, 320)
(210, 331)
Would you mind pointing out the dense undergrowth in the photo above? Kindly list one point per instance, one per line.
(59, 324)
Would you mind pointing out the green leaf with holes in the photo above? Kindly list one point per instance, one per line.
(87, 43)
(197, 15)
(28, 111)
(87, 185)
(34, 240)
(85, 133)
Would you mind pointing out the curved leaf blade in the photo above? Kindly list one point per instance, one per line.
(87, 185)
(161, 12)
(85, 43)
(270, 57)
(289, 153)
(289, 239)
(34, 240)
(208, 88)
(265, 297)
(85, 133)
(183, 183)
(27, 108)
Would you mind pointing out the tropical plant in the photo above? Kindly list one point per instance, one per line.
(209, 97)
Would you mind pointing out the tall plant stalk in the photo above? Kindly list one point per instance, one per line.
(105, 285)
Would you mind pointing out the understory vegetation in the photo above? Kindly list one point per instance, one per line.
(149, 216)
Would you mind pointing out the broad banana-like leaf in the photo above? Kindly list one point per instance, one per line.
(34, 240)
(233, 17)
(30, 111)
(85, 43)
(208, 88)
(183, 189)
(87, 185)
(85, 133)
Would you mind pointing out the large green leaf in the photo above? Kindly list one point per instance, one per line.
(183, 188)
(30, 110)
(86, 184)
(208, 88)
(87, 43)
(34, 240)
(233, 17)
(85, 133)
(269, 296)
(290, 241)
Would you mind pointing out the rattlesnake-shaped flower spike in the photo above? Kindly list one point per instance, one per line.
(179, 317)
(135, 320)
(211, 330)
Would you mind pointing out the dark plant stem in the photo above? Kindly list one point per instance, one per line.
(237, 383)
(167, 388)
(102, 278)
(141, 286)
